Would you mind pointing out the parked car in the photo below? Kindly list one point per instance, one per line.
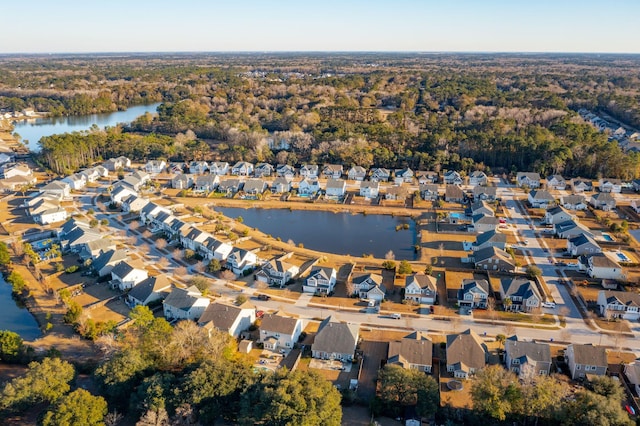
(264, 297)
(549, 304)
(395, 316)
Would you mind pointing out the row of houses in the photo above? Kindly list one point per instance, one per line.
(541, 198)
(577, 185)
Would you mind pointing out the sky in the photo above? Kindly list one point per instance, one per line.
(62, 26)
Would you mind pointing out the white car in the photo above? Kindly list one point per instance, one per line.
(549, 304)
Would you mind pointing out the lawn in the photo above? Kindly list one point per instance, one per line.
(514, 316)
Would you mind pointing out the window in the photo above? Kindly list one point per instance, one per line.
(542, 372)
(578, 367)
(515, 361)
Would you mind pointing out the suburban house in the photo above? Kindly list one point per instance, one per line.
(527, 359)
(429, 191)
(309, 170)
(556, 182)
(484, 223)
(285, 171)
(380, 175)
(369, 189)
(573, 202)
(336, 187)
(115, 164)
(263, 170)
(125, 276)
(531, 180)
(120, 192)
(228, 318)
(105, 262)
(557, 214)
(335, 340)
(93, 249)
(426, 177)
(421, 288)
(321, 280)
(540, 198)
(16, 170)
(412, 352)
(619, 304)
(570, 229)
(582, 244)
(586, 359)
(242, 168)
(198, 167)
(451, 177)
(76, 181)
(493, 259)
(332, 171)
(136, 179)
(17, 182)
(369, 286)
(481, 207)
(490, 239)
(185, 303)
(277, 331)
(473, 294)
(149, 290)
(357, 173)
(194, 238)
(308, 186)
(403, 175)
(57, 188)
(206, 183)
(153, 167)
(241, 260)
(603, 201)
(44, 210)
(599, 265)
(182, 181)
(632, 372)
(487, 193)
(219, 168)
(281, 185)
(453, 194)
(519, 295)
(397, 192)
(478, 177)
(277, 272)
(610, 185)
(229, 186)
(74, 240)
(213, 248)
(580, 185)
(92, 174)
(254, 186)
(466, 353)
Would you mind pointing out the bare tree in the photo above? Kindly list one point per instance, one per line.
(390, 255)
(161, 243)
(180, 272)
(441, 249)
(177, 254)
(350, 288)
(509, 330)
(146, 234)
(162, 263)
(113, 418)
(134, 225)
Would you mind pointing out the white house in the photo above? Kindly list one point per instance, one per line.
(369, 189)
(308, 186)
(153, 167)
(242, 168)
(473, 294)
(380, 174)
(357, 173)
(582, 244)
(185, 303)
(531, 180)
(206, 183)
(421, 288)
(277, 272)
(281, 185)
(152, 289)
(263, 170)
(309, 170)
(610, 185)
(557, 214)
(619, 304)
(120, 192)
(277, 331)
(600, 265)
(573, 202)
(219, 168)
(333, 171)
(125, 276)
(240, 260)
(76, 181)
(403, 176)
(336, 187)
(478, 177)
(556, 182)
(16, 170)
(369, 286)
(451, 177)
(198, 167)
(228, 318)
(321, 280)
(603, 201)
(57, 188)
(581, 185)
(540, 199)
(632, 372)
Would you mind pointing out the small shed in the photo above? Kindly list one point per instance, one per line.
(245, 346)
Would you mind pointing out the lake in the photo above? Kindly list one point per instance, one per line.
(32, 130)
(340, 233)
(15, 318)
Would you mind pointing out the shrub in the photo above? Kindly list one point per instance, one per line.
(71, 269)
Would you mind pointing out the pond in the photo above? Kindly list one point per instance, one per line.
(15, 318)
(340, 233)
(32, 131)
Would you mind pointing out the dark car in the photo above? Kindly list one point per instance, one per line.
(264, 297)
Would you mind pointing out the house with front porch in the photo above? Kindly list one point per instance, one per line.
(229, 186)
(412, 352)
(421, 289)
(281, 185)
(335, 340)
(580, 185)
(185, 303)
(308, 186)
(242, 168)
(556, 182)
(153, 167)
(473, 294)
(612, 186)
(619, 304)
(219, 168)
(263, 170)
(369, 286)
(277, 272)
(277, 331)
(332, 171)
(573, 202)
(603, 201)
(493, 259)
(369, 189)
(429, 191)
(586, 360)
(519, 295)
(466, 354)
(490, 239)
(241, 260)
(485, 193)
(380, 174)
(403, 176)
(528, 179)
(557, 214)
(451, 177)
(336, 188)
(540, 199)
(125, 276)
(206, 183)
(309, 170)
(527, 359)
(321, 280)
(427, 177)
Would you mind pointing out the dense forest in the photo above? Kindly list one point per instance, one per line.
(464, 112)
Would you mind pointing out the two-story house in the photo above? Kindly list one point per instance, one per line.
(369, 286)
(582, 244)
(263, 170)
(586, 359)
(198, 167)
(527, 359)
(185, 303)
(321, 280)
(478, 177)
(369, 189)
(490, 239)
(241, 260)
(473, 294)
(452, 177)
(619, 304)
(308, 186)
(281, 185)
(336, 187)
(219, 168)
(573, 202)
(570, 229)
(380, 174)
(429, 191)
(152, 289)
(277, 331)
(580, 185)
(540, 198)
(335, 340)
(357, 173)
(277, 272)
(309, 170)
(125, 276)
(412, 352)
(242, 168)
(603, 201)
(466, 354)
(557, 214)
(519, 295)
(421, 288)
(228, 318)
(610, 185)
(528, 179)
(333, 171)
(403, 176)
(600, 265)
(486, 193)
(556, 182)
(493, 259)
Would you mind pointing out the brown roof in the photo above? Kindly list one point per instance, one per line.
(466, 349)
(416, 348)
(278, 324)
(589, 355)
(221, 316)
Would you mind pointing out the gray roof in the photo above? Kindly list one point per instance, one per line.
(278, 324)
(519, 287)
(466, 350)
(336, 337)
(323, 272)
(335, 183)
(485, 219)
(626, 298)
(589, 355)
(110, 257)
(583, 239)
(539, 352)
(541, 194)
(122, 269)
(573, 199)
(183, 298)
(489, 252)
(478, 286)
(221, 316)
(423, 281)
(254, 185)
(145, 288)
(416, 348)
(490, 236)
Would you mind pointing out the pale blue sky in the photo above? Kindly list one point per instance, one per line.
(324, 25)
